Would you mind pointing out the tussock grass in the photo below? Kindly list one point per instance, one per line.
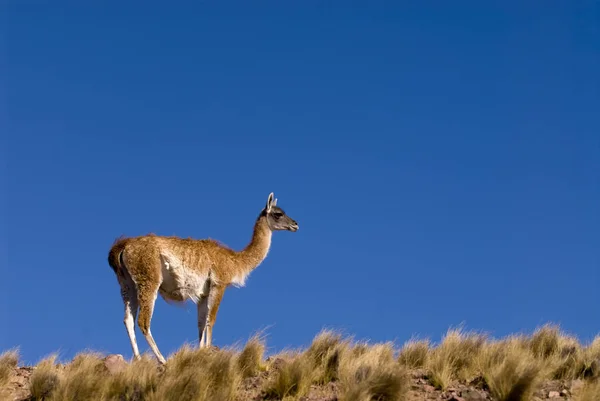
(455, 358)
(590, 391)
(545, 341)
(250, 359)
(590, 360)
(414, 354)
(372, 373)
(324, 355)
(44, 378)
(292, 379)
(199, 374)
(512, 368)
(81, 379)
(139, 380)
(8, 362)
(561, 353)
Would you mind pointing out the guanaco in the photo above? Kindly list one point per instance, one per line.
(181, 269)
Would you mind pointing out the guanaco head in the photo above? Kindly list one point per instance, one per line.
(276, 217)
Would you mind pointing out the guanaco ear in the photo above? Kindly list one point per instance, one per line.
(270, 203)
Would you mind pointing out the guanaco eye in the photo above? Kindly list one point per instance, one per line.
(278, 215)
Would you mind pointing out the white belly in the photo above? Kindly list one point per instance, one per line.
(179, 282)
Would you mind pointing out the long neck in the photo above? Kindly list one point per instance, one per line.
(258, 248)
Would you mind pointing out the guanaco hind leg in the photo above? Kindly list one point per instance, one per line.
(131, 307)
(147, 300)
(130, 300)
(214, 300)
(202, 316)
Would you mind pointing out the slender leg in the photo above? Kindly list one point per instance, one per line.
(131, 307)
(129, 295)
(214, 300)
(202, 316)
(147, 299)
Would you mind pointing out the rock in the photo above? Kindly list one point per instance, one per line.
(553, 394)
(115, 363)
(479, 383)
(428, 388)
(277, 364)
(472, 395)
(565, 393)
(576, 385)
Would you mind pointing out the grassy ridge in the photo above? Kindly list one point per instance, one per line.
(510, 368)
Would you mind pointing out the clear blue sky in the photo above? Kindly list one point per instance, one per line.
(443, 164)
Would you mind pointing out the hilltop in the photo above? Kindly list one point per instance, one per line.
(469, 366)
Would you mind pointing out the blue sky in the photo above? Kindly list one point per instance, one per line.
(443, 164)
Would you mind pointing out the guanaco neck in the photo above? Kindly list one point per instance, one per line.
(258, 248)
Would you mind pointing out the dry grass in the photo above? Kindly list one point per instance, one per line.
(455, 358)
(364, 372)
(561, 353)
(81, 379)
(139, 380)
(590, 391)
(199, 374)
(292, 379)
(510, 369)
(44, 379)
(250, 359)
(324, 356)
(372, 373)
(513, 368)
(414, 354)
(8, 363)
(590, 360)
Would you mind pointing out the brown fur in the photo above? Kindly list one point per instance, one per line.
(138, 265)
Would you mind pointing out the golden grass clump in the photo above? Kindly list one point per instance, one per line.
(190, 374)
(371, 373)
(199, 374)
(590, 359)
(82, 379)
(137, 381)
(323, 343)
(414, 354)
(455, 358)
(545, 341)
(510, 369)
(8, 363)
(513, 368)
(292, 378)
(589, 391)
(250, 359)
(324, 355)
(44, 379)
(562, 354)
